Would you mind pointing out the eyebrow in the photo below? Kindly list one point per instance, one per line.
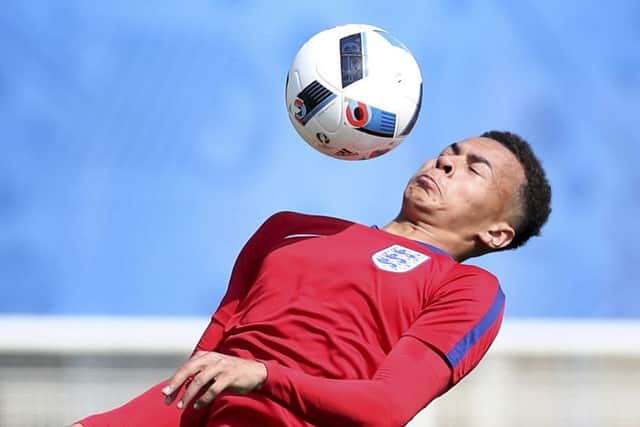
(471, 157)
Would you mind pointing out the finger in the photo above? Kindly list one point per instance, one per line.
(219, 385)
(168, 400)
(182, 374)
(199, 383)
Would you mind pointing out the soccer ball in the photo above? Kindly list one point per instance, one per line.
(354, 92)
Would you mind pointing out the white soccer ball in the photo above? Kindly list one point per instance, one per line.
(353, 92)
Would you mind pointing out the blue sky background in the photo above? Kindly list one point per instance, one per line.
(143, 143)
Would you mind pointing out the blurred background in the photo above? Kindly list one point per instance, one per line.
(144, 142)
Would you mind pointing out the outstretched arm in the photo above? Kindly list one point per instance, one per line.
(269, 236)
(148, 408)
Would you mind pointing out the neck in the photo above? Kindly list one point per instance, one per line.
(425, 233)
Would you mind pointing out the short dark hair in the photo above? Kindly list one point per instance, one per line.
(535, 193)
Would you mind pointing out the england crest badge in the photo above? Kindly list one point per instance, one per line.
(398, 259)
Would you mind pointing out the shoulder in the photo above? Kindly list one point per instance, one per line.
(470, 284)
(298, 222)
(471, 272)
(284, 216)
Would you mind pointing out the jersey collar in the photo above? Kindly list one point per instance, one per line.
(433, 248)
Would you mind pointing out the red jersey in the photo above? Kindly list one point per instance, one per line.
(322, 298)
(356, 326)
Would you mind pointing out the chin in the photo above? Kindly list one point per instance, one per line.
(416, 210)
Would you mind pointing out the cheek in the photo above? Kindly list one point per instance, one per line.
(485, 203)
(470, 192)
(475, 199)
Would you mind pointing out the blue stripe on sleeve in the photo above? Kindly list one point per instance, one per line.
(461, 349)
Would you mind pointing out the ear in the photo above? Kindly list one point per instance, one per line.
(498, 235)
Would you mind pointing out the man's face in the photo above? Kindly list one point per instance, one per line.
(468, 187)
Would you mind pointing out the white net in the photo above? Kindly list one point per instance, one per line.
(538, 373)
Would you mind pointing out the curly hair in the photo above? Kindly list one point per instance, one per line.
(534, 196)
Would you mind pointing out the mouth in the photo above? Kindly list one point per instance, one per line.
(426, 182)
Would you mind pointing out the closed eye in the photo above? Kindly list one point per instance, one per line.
(474, 159)
(478, 169)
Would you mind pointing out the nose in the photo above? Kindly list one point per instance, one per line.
(445, 164)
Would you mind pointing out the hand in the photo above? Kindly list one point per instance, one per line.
(214, 373)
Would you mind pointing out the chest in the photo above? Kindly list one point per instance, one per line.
(346, 273)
